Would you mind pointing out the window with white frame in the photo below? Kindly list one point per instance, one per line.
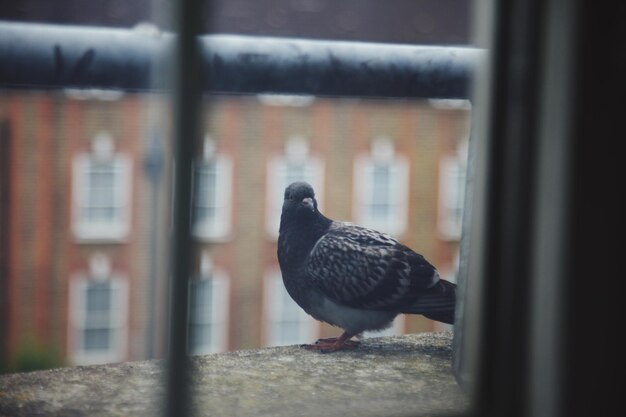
(212, 194)
(381, 188)
(296, 164)
(208, 310)
(285, 322)
(98, 319)
(452, 177)
(102, 189)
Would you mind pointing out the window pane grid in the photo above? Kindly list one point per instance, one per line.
(101, 314)
(101, 191)
(452, 184)
(97, 339)
(211, 215)
(206, 180)
(201, 302)
(207, 319)
(380, 195)
(102, 185)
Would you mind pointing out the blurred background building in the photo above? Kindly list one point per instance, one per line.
(85, 179)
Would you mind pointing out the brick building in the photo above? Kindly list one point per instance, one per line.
(87, 245)
(75, 194)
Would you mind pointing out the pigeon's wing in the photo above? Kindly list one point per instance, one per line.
(362, 268)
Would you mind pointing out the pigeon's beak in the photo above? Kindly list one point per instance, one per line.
(308, 203)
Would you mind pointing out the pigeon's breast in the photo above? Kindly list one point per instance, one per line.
(352, 320)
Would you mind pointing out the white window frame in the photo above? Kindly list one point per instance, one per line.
(275, 294)
(396, 222)
(78, 320)
(219, 308)
(296, 154)
(452, 179)
(218, 227)
(118, 228)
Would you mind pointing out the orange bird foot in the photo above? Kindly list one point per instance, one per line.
(333, 344)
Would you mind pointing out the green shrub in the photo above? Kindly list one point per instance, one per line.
(34, 357)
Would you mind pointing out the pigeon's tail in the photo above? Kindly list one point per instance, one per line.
(437, 304)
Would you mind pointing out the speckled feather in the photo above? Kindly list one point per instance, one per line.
(364, 268)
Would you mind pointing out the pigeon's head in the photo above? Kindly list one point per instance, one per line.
(300, 199)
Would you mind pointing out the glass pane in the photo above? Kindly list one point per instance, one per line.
(295, 173)
(380, 213)
(100, 214)
(199, 336)
(381, 183)
(205, 199)
(97, 339)
(98, 298)
(101, 177)
(201, 301)
(290, 333)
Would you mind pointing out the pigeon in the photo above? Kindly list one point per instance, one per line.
(353, 277)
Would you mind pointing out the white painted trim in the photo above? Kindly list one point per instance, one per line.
(220, 308)
(396, 223)
(117, 230)
(219, 228)
(77, 318)
(450, 194)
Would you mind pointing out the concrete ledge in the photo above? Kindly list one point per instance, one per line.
(393, 376)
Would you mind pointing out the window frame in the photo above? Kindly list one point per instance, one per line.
(219, 228)
(220, 312)
(452, 169)
(79, 284)
(397, 219)
(118, 230)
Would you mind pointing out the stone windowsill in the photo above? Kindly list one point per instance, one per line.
(392, 376)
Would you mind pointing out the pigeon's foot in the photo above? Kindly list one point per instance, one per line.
(329, 340)
(333, 344)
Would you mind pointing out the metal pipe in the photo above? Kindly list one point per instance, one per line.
(49, 56)
(153, 165)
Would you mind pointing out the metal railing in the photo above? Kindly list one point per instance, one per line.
(49, 56)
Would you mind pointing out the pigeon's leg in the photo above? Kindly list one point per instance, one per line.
(333, 344)
(331, 340)
(327, 340)
(348, 342)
